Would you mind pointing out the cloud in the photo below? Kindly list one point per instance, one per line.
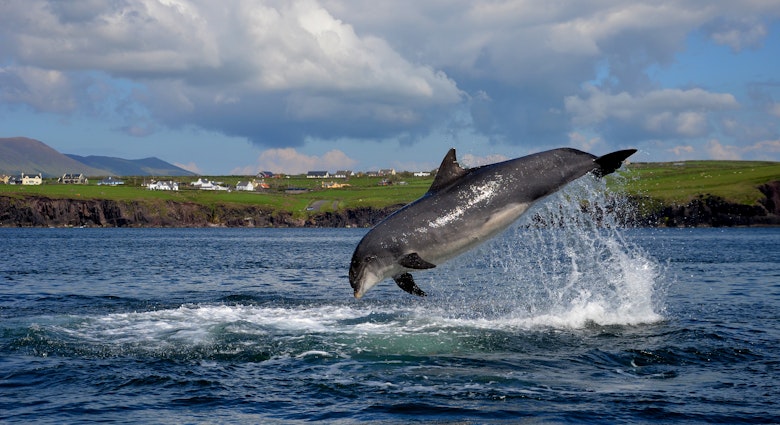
(681, 151)
(763, 147)
(290, 161)
(281, 72)
(190, 166)
(275, 72)
(471, 160)
(666, 113)
(41, 89)
(774, 110)
(737, 33)
(585, 142)
(718, 151)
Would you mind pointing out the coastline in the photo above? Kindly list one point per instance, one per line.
(41, 211)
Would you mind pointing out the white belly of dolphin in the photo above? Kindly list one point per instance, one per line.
(474, 230)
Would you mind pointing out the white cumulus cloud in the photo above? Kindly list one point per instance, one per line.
(290, 161)
(658, 113)
(283, 72)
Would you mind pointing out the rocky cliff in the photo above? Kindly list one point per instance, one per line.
(35, 211)
(713, 211)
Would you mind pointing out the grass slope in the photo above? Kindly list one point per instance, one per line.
(363, 191)
(680, 182)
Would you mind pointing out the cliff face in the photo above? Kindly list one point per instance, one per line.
(714, 211)
(46, 212)
(33, 211)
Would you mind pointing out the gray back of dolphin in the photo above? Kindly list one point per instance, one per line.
(463, 208)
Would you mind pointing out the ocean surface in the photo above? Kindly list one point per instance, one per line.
(577, 323)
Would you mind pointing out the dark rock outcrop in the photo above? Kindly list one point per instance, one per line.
(37, 211)
(771, 201)
(713, 211)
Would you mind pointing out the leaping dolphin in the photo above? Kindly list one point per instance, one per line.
(463, 208)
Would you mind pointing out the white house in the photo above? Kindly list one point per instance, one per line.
(342, 174)
(73, 178)
(110, 181)
(169, 185)
(207, 185)
(32, 180)
(212, 186)
(200, 182)
(247, 186)
(317, 175)
(422, 174)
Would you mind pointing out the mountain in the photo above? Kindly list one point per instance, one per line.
(132, 167)
(22, 155)
(30, 156)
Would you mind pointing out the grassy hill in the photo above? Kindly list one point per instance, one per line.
(362, 192)
(679, 182)
(22, 155)
(129, 167)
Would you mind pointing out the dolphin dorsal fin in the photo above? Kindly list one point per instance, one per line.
(449, 171)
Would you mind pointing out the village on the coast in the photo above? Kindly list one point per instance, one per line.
(259, 182)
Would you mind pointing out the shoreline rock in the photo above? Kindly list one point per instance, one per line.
(38, 211)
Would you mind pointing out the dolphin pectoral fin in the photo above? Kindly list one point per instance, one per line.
(414, 261)
(405, 281)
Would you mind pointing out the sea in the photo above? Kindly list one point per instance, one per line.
(579, 321)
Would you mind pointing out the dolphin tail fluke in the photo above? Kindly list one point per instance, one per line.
(610, 162)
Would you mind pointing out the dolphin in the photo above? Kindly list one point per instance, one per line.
(463, 208)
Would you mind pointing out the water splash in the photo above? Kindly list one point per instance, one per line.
(568, 262)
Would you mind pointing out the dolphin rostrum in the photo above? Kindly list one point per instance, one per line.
(463, 208)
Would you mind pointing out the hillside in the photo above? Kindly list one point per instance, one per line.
(22, 155)
(132, 167)
(30, 156)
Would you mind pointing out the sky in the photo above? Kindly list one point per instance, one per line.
(240, 86)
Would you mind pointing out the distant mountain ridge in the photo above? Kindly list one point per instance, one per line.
(132, 167)
(24, 155)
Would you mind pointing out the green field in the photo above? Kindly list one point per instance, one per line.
(680, 182)
(665, 183)
(362, 191)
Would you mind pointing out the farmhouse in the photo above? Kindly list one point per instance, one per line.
(110, 181)
(343, 174)
(208, 185)
(72, 178)
(317, 175)
(168, 185)
(32, 180)
(247, 186)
